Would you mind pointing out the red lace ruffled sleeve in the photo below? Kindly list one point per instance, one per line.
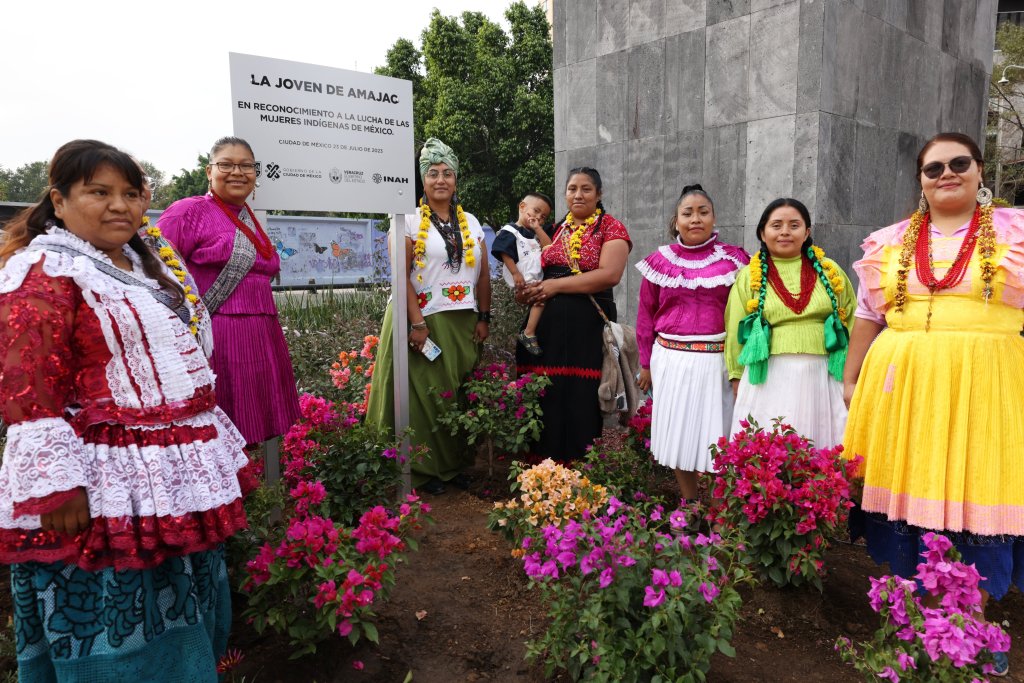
(43, 456)
(36, 347)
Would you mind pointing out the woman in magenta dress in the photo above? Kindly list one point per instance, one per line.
(233, 261)
(680, 329)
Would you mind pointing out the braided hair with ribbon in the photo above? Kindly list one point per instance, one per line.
(754, 331)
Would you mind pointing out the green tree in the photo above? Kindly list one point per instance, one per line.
(1004, 156)
(489, 96)
(159, 181)
(186, 183)
(5, 176)
(25, 183)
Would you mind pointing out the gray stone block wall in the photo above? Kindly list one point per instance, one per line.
(824, 100)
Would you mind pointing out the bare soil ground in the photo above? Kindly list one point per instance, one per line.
(479, 614)
(476, 613)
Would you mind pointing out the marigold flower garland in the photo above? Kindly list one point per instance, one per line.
(986, 240)
(170, 258)
(830, 272)
(756, 281)
(419, 250)
(576, 238)
(835, 278)
(754, 332)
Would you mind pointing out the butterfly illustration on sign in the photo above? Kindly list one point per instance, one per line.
(338, 251)
(285, 252)
(318, 249)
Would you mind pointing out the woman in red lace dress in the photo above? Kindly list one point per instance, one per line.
(119, 478)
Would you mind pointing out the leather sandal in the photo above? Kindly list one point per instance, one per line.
(529, 343)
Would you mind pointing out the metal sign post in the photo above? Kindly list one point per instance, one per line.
(333, 140)
(400, 341)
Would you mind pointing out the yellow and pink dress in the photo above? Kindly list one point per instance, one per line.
(937, 412)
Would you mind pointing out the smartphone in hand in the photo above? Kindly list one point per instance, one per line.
(430, 349)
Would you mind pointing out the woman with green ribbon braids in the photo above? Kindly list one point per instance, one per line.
(788, 323)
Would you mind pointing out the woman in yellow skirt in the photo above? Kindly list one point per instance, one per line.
(935, 370)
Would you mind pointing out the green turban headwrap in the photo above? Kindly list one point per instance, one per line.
(436, 152)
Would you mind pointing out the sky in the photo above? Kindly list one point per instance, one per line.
(152, 78)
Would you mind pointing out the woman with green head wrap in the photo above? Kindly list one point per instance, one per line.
(449, 302)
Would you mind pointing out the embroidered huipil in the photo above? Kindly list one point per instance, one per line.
(443, 285)
(105, 390)
(255, 381)
(684, 291)
(205, 236)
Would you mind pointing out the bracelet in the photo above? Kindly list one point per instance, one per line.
(419, 326)
(484, 316)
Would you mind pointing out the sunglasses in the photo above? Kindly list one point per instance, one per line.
(956, 165)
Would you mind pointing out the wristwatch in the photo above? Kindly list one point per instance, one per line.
(484, 316)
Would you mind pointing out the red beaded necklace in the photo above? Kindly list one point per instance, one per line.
(808, 278)
(923, 255)
(259, 239)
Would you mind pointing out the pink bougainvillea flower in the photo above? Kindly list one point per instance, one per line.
(905, 661)
(709, 591)
(890, 674)
(653, 598)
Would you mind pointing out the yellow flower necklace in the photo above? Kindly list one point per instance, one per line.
(826, 268)
(576, 238)
(912, 245)
(756, 281)
(835, 279)
(754, 331)
(170, 258)
(419, 250)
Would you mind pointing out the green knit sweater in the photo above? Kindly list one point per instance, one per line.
(791, 333)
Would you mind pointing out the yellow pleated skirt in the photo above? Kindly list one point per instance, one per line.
(938, 416)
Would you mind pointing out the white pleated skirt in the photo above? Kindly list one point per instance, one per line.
(800, 391)
(692, 407)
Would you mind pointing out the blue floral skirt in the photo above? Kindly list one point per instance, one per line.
(165, 624)
(999, 559)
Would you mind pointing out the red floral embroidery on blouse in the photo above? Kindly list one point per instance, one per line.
(590, 250)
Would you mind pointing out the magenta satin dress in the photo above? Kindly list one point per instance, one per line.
(255, 380)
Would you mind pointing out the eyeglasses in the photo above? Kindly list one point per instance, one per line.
(956, 165)
(228, 167)
(434, 174)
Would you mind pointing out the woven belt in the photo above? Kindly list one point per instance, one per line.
(699, 347)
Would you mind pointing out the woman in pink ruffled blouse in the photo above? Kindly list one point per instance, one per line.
(680, 329)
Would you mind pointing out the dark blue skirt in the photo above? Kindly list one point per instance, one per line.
(999, 559)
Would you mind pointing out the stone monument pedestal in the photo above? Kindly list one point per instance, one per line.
(827, 101)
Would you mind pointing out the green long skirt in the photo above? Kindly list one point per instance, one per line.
(453, 332)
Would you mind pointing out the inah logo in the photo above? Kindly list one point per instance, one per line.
(335, 175)
(396, 179)
(378, 178)
(273, 171)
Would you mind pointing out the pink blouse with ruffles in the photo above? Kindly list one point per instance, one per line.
(871, 299)
(684, 291)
